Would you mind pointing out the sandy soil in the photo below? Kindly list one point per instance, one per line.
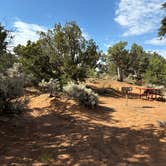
(57, 131)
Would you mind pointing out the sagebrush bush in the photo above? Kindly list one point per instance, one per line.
(52, 86)
(18, 71)
(14, 106)
(11, 87)
(30, 80)
(155, 86)
(83, 95)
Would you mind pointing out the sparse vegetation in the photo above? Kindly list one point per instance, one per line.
(83, 95)
(52, 86)
(11, 87)
(11, 80)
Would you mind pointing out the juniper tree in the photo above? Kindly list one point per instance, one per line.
(119, 56)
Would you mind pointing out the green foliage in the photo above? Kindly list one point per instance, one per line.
(64, 55)
(92, 73)
(11, 87)
(33, 62)
(13, 107)
(112, 69)
(52, 86)
(69, 52)
(162, 30)
(11, 80)
(126, 63)
(82, 94)
(103, 65)
(6, 61)
(3, 42)
(61, 53)
(119, 56)
(137, 61)
(156, 70)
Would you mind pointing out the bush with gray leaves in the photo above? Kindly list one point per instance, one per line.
(81, 94)
(52, 86)
(11, 87)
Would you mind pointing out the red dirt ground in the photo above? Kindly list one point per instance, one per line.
(56, 131)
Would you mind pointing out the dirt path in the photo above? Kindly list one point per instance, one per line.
(59, 132)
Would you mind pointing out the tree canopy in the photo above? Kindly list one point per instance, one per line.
(138, 60)
(61, 53)
(162, 30)
(138, 63)
(119, 56)
(6, 59)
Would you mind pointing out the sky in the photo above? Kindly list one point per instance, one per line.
(105, 21)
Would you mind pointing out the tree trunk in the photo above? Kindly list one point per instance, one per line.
(120, 74)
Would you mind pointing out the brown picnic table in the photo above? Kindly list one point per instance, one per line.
(150, 93)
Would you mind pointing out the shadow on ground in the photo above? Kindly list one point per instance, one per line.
(60, 137)
(106, 92)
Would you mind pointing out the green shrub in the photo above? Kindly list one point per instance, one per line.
(18, 71)
(52, 86)
(83, 95)
(13, 107)
(155, 86)
(11, 87)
